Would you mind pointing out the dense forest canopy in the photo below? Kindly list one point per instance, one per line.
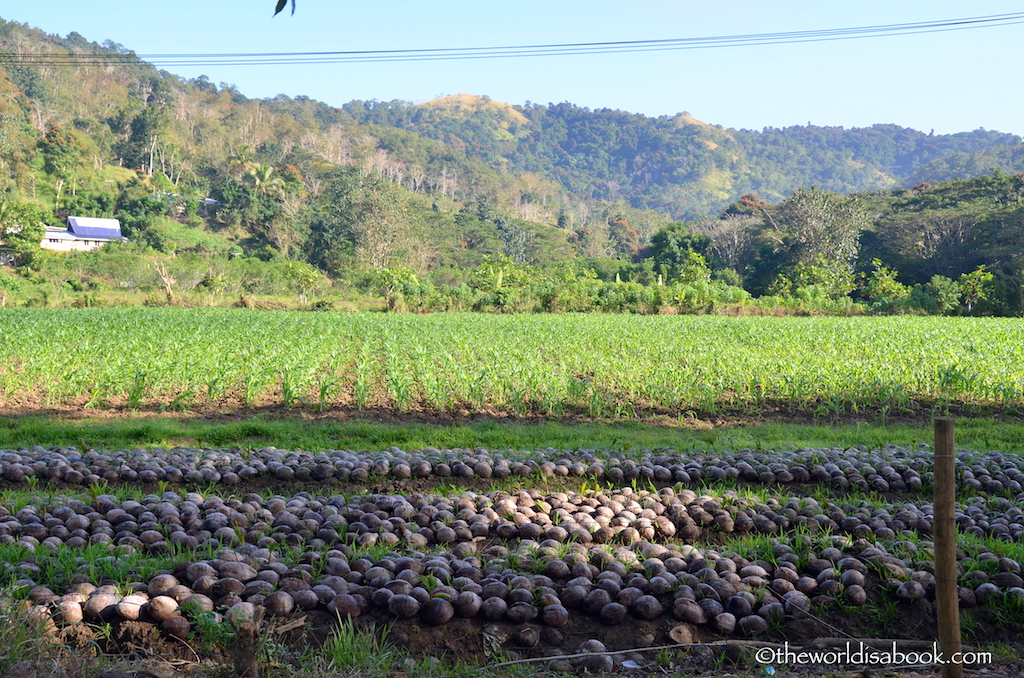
(443, 190)
(678, 164)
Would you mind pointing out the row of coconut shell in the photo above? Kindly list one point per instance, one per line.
(155, 523)
(726, 593)
(881, 470)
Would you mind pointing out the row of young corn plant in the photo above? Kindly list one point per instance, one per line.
(597, 365)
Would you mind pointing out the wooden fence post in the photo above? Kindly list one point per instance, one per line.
(947, 592)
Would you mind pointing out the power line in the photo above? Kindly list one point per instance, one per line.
(515, 51)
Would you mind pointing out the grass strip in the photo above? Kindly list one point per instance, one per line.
(366, 434)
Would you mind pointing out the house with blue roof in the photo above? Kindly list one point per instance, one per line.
(83, 234)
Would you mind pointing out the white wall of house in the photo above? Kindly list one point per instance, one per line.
(62, 241)
(73, 245)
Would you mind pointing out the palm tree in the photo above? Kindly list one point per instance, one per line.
(238, 161)
(266, 180)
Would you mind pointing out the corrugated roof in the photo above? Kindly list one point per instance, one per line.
(95, 227)
(58, 234)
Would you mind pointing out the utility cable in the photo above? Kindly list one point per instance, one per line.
(512, 51)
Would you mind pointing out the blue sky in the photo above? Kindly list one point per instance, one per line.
(950, 82)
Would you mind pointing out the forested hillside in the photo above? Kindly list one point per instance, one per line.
(464, 202)
(678, 164)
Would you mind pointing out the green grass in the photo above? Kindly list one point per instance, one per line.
(973, 544)
(750, 546)
(350, 650)
(291, 432)
(22, 637)
(100, 562)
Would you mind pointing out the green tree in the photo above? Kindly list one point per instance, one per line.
(517, 241)
(499, 272)
(812, 227)
(241, 204)
(239, 161)
(365, 217)
(266, 180)
(62, 154)
(695, 270)
(8, 284)
(303, 277)
(781, 286)
(22, 226)
(672, 248)
(393, 283)
(975, 286)
(144, 132)
(833, 278)
(814, 223)
(946, 293)
(881, 286)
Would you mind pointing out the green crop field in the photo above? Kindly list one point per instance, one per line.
(606, 366)
(131, 531)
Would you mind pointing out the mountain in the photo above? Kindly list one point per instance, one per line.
(1005, 158)
(678, 164)
(473, 176)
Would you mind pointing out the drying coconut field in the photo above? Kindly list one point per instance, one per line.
(365, 555)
